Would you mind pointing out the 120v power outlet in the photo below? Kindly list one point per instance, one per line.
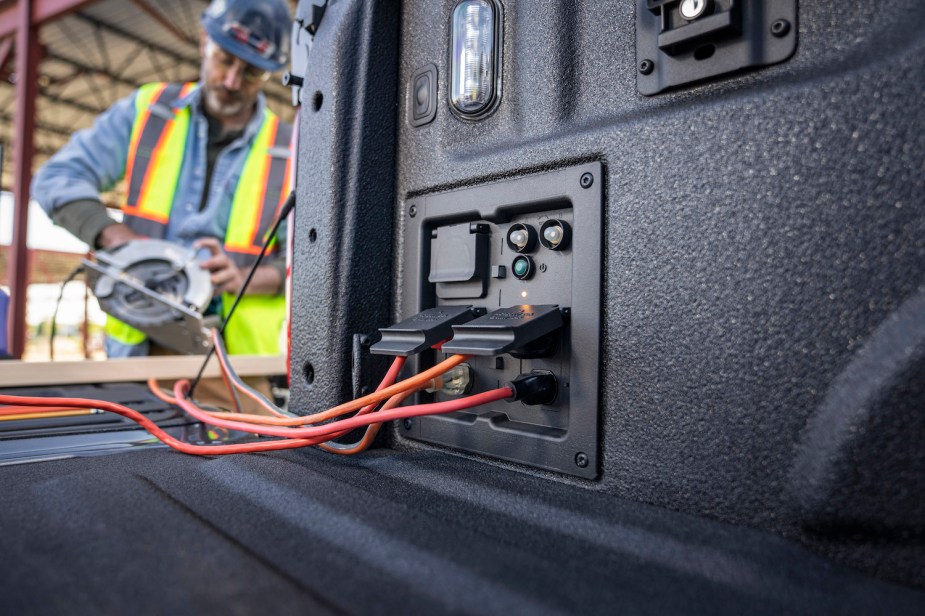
(542, 319)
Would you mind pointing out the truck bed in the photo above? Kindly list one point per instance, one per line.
(424, 532)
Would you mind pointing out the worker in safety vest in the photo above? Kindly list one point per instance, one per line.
(206, 165)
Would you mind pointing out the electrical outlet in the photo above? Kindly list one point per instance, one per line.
(528, 252)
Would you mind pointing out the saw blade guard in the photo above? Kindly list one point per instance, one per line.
(157, 287)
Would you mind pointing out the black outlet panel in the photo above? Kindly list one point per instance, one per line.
(457, 251)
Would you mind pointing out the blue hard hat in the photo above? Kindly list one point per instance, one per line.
(257, 31)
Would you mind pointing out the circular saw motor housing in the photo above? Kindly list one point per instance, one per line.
(157, 287)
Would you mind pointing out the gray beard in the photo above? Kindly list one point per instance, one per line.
(219, 109)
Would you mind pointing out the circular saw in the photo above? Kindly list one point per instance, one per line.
(158, 288)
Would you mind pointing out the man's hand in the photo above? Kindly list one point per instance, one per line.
(226, 276)
(113, 236)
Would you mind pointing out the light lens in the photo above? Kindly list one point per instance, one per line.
(555, 234)
(473, 44)
(521, 238)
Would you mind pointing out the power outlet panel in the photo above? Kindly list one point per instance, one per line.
(456, 252)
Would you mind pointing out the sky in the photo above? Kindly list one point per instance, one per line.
(42, 234)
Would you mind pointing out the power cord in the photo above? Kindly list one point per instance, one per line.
(54, 316)
(283, 213)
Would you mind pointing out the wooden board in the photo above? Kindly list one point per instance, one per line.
(24, 374)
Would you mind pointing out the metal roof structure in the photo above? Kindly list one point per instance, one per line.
(63, 62)
(98, 54)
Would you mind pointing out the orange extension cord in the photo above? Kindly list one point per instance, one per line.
(382, 393)
(230, 383)
(357, 447)
(308, 436)
(293, 437)
(413, 382)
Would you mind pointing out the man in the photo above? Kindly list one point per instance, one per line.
(206, 166)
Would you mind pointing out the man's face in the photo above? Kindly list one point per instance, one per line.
(230, 86)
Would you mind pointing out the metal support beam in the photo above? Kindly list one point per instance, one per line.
(176, 57)
(40, 11)
(175, 54)
(6, 49)
(27, 59)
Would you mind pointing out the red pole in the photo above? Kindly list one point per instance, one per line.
(27, 59)
(85, 328)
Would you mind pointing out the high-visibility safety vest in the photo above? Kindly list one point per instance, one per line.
(155, 158)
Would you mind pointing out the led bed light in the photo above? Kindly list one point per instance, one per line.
(475, 49)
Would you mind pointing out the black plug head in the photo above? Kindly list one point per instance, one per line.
(537, 387)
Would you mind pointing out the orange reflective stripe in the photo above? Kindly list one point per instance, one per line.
(145, 208)
(156, 153)
(276, 187)
(187, 88)
(278, 179)
(284, 174)
(147, 95)
(247, 210)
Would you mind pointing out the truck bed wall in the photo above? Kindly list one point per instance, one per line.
(763, 339)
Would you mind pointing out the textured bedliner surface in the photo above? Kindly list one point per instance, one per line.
(427, 532)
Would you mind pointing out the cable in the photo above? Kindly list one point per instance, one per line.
(371, 431)
(226, 367)
(375, 397)
(154, 429)
(182, 387)
(235, 399)
(54, 316)
(333, 446)
(16, 410)
(44, 414)
(314, 435)
(366, 440)
(342, 409)
(236, 384)
(283, 213)
(160, 394)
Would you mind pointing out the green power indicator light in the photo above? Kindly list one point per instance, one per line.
(522, 267)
